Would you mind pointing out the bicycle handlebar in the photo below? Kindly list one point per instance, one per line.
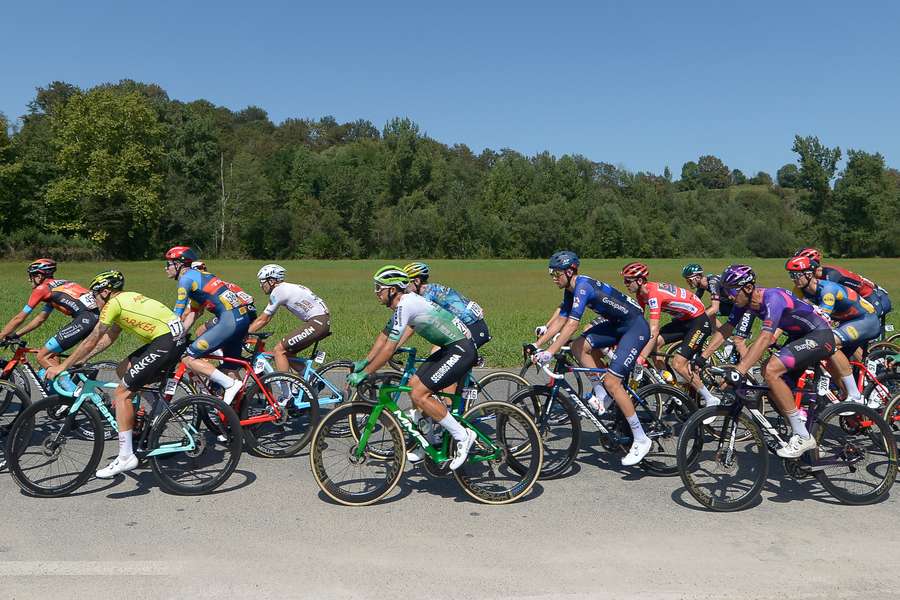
(551, 374)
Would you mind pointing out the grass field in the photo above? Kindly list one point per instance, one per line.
(517, 295)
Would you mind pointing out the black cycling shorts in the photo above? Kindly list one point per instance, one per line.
(448, 365)
(79, 328)
(691, 332)
(808, 350)
(480, 333)
(151, 361)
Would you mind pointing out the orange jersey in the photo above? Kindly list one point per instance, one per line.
(670, 299)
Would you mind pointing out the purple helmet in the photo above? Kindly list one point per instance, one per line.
(734, 277)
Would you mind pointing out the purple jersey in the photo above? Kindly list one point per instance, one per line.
(780, 309)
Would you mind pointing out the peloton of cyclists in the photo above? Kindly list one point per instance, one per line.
(718, 305)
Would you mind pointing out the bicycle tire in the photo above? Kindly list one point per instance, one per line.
(185, 416)
(13, 401)
(274, 439)
(479, 476)
(331, 456)
(341, 383)
(864, 425)
(559, 430)
(506, 390)
(670, 408)
(695, 440)
(891, 383)
(26, 449)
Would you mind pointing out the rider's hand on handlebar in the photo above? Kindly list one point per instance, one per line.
(354, 379)
(359, 365)
(53, 372)
(699, 362)
(541, 357)
(540, 330)
(530, 349)
(732, 376)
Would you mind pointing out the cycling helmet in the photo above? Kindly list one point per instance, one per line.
(199, 265)
(564, 259)
(113, 280)
(734, 277)
(810, 253)
(636, 270)
(800, 264)
(184, 254)
(271, 271)
(417, 269)
(691, 269)
(391, 275)
(42, 266)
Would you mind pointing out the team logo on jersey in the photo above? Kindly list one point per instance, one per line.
(653, 303)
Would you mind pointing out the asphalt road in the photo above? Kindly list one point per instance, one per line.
(602, 532)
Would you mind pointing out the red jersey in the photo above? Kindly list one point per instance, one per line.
(65, 296)
(665, 297)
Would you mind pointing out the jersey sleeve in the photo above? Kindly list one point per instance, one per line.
(775, 306)
(38, 295)
(713, 289)
(566, 305)
(829, 298)
(110, 312)
(654, 303)
(580, 298)
(186, 284)
(275, 301)
(399, 323)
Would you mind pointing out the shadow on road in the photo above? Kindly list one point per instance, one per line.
(146, 481)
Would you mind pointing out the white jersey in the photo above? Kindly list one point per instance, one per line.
(298, 299)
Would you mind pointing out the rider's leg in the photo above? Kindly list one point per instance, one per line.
(47, 358)
(782, 397)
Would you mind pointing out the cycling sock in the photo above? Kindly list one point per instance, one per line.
(125, 449)
(707, 395)
(452, 425)
(637, 432)
(852, 390)
(602, 395)
(221, 378)
(797, 424)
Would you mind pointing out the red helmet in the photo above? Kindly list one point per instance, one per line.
(810, 253)
(183, 254)
(635, 270)
(799, 264)
(42, 266)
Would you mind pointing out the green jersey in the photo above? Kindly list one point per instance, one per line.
(429, 320)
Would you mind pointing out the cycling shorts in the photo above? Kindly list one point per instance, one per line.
(691, 332)
(80, 327)
(629, 338)
(225, 332)
(152, 361)
(315, 329)
(801, 353)
(881, 301)
(858, 332)
(448, 365)
(480, 333)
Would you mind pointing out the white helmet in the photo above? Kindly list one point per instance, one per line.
(271, 271)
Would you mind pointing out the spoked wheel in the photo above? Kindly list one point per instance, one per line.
(856, 456)
(492, 473)
(887, 386)
(45, 453)
(186, 455)
(297, 415)
(668, 409)
(13, 400)
(499, 386)
(726, 471)
(337, 392)
(558, 424)
(347, 474)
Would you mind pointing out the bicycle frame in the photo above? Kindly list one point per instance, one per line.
(20, 357)
(262, 359)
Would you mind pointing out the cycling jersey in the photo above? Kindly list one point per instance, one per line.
(602, 298)
(207, 290)
(427, 319)
(780, 309)
(836, 301)
(850, 280)
(714, 285)
(142, 316)
(67, 297)
(298, 299)
(670, 299)
(451, 300)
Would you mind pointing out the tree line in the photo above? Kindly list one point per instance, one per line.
(123, 171)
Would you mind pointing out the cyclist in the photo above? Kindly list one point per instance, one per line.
(809, 341)
(455, 357)
(67, 297)
(468, 311)
(624, 327)
(690, 324)
(233, 309)
(718, 306)
(869, 290)
(164, 342)
(855, 319)
(299, 301)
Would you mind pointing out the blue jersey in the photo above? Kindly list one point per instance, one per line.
(452, 301)
(602, 298)
(836, 301)
(206, 290)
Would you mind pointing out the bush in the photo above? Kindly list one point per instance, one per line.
(31, 243)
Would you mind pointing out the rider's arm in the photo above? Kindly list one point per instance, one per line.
(651, 343)
(81, 352)
(406, 335)
(554, 326)
(105, 341)
(36, 322)
(713, 309)
(258, 323)
(13, 323)
(376, 347)
(568, 329)
(755, 352)
(188, 319)
(717, 339)
(382, 355)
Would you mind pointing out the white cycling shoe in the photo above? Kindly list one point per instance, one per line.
(637, 452)
(462, 450)
(415, 455)
(120, 465)
(231, 391)
(796, 446)
(717, 402)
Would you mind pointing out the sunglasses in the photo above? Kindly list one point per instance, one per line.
(379, 288)
(556, 273)
(795, 275)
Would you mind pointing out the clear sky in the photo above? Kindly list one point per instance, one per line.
(638, 84)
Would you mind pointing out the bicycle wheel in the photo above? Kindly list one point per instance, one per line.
(288, 434)
(45, 454)
(493, 473)
(335, 373)
(558, 424)
(890, 387)
(856, 455)
(357, 480)
(669, 409)
(13, 401)
(185, 454)
(719, 471)
(499, 387)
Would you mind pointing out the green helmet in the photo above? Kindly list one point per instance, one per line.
(391, 275)
(691, 269)
(417, 269)
(113, 280)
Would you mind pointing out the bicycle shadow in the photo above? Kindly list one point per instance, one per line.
(592, 453)
(146, 482)
(398, 493)
(447, 487)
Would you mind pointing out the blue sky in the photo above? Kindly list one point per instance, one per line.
(639, 84)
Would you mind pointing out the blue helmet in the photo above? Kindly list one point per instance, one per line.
(564, 259)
